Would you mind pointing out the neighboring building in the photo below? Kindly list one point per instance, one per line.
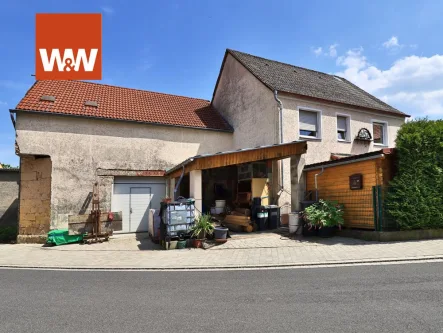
(9, 188)
(71, 134)
(324, 109)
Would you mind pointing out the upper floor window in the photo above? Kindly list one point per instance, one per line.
(379, 133)
(309, 124)
(343, 125)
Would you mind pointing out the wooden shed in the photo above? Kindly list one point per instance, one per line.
(350, 181)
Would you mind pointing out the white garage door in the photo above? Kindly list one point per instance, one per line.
(134, 196)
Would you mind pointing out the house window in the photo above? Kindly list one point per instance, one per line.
(309, 124)
(343, 124)
(379, 133)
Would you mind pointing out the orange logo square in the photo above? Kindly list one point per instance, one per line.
(68, 47)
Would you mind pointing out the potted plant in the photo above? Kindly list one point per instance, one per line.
(202, 227)
(323, 218)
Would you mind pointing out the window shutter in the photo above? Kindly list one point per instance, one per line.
(341, 123)
(308, 120)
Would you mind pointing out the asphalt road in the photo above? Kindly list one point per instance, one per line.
(387, 298)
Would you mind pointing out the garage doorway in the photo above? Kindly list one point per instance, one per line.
(134, 197)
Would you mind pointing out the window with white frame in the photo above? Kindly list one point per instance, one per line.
(379, 133)
(343, 124)
(309, 123)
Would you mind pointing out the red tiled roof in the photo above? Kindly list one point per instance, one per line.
(122, 104)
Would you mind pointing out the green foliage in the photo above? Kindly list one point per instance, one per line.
(415, 199)
(203, 226)
(8, 234)
(7, 166)
(324, 214)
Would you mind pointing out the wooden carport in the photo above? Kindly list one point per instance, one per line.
(196, 164)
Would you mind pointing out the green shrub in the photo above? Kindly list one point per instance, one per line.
(324, 214)
(8, 234)
(415, 199)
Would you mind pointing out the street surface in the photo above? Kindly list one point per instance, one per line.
(385, 298)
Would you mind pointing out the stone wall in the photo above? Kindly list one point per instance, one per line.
(9, 185)
(35, 198)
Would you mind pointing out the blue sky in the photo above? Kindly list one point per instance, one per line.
(390, 48)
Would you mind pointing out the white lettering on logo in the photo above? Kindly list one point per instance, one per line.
(67, 63)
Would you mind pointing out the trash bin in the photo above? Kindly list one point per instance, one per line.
(273, 216)
(256, 203)
(262, 216)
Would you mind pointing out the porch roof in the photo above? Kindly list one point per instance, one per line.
(234, 157)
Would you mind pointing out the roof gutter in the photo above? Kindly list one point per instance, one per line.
(11, 111)
(344, 162)
(123, 120)
(178, 166)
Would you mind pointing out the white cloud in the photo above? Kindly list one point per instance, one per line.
(333, 50)
(413, 84)
(318, 51)
(107, 10)
(391, 43)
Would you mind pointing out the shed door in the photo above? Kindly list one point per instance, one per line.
(134, 196)
(139, 204)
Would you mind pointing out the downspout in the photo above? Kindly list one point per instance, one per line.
(316, 185)
(178, 183)
(280, 109)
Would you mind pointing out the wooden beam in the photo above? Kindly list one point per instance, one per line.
(81, 224)
(271, 153)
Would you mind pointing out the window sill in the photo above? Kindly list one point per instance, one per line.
(344, 141)
(380, 145)
(312, 138)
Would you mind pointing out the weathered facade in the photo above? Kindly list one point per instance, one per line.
(83, 151)
(245, 96)
(72, 134)
(9, 189)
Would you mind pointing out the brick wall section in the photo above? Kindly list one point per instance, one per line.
(35, 199)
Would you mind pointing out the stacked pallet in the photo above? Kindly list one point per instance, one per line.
(239, 220)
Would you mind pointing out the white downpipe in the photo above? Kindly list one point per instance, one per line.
(280, 109)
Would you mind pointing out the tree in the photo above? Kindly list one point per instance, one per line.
(6, 166)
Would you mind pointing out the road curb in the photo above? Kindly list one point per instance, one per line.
(232, 267)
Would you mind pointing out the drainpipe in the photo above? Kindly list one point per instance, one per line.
(178, 183)
(280, 109)
(316, 185)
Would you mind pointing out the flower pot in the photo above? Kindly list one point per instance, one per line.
(198, 243)
(220, 233)
(326, 232)
(309, 231)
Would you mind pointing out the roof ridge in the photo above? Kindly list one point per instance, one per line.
(349, 93)
(283, 63)
(126, 88)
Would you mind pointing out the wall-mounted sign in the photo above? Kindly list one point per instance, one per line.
(364, 135)
(356, 181)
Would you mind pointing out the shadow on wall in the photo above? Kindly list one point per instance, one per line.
(10, 216)
(360, 147)
(86, 203)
